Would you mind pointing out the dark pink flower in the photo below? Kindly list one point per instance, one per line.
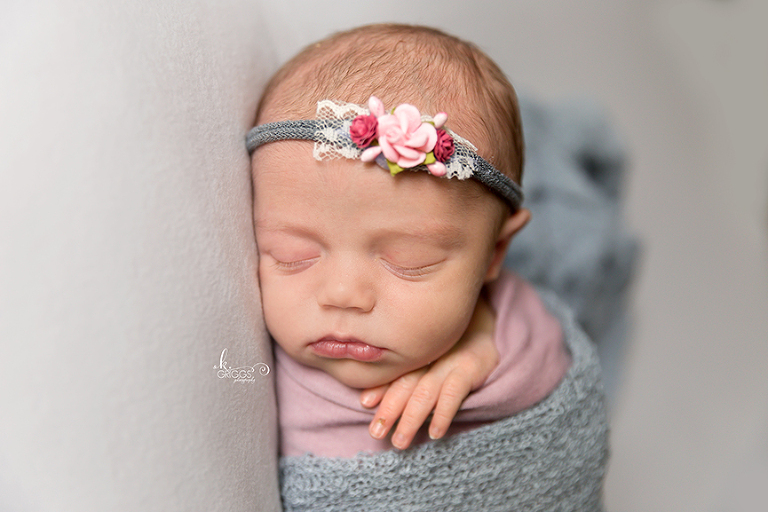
(363, 130)
(444, 147)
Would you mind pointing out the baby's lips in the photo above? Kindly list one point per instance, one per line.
(334, 348)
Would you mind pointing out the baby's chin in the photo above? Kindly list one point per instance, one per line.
(360, 375)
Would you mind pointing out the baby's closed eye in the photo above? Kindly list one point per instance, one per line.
(410, 271)
(294, 265)
(288, 253)
(411, 259)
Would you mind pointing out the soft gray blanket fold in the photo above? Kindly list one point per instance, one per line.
(577, 243)
(551, 457)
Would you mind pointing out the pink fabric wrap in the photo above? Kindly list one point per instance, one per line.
(319, 415)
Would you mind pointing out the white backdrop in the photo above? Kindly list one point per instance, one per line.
(127, 258)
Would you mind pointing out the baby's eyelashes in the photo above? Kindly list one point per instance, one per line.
(410, 272)
(294, 266)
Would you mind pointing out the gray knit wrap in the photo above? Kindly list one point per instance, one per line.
(551, 457)
(317, 130)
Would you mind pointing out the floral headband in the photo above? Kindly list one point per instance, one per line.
(402, 139)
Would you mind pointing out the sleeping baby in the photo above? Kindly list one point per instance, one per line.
(386, 166)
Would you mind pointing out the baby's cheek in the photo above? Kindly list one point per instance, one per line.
(434, 324)
(454, 314)
(275, 311)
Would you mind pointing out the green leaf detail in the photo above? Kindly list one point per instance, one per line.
(394, 168)
(430, 158)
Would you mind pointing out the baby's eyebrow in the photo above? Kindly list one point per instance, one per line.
(280, 227)
(445, 235)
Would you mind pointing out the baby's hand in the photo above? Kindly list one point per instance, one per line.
(441, 386)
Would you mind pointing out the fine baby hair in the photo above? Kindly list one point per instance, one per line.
(403, 64)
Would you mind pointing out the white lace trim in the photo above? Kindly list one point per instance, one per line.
(339, 143)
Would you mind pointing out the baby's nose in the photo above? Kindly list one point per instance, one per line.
(347, 287)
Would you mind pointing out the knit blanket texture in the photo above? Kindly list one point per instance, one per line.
(551, 457)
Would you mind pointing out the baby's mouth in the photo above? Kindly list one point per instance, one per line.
(348, 348)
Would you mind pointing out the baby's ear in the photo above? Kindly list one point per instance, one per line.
(511, 226)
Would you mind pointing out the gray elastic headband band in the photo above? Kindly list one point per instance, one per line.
(313, 130)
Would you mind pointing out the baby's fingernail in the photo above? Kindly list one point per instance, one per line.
(434, 434)
(377, 430)
(398, 441)
(368, 399)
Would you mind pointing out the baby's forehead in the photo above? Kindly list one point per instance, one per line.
(347, 205)
(289, 168)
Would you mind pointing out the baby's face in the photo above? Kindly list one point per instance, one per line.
(364, 275)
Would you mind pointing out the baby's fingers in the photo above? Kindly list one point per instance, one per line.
(420, 405)
(393, 403)
(372, 396)
(454, 391)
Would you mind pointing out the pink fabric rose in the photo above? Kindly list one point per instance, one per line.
(444, 147)
(403, 138)
(363, 130)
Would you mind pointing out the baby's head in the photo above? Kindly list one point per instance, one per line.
(364, 274)
(422, 66)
